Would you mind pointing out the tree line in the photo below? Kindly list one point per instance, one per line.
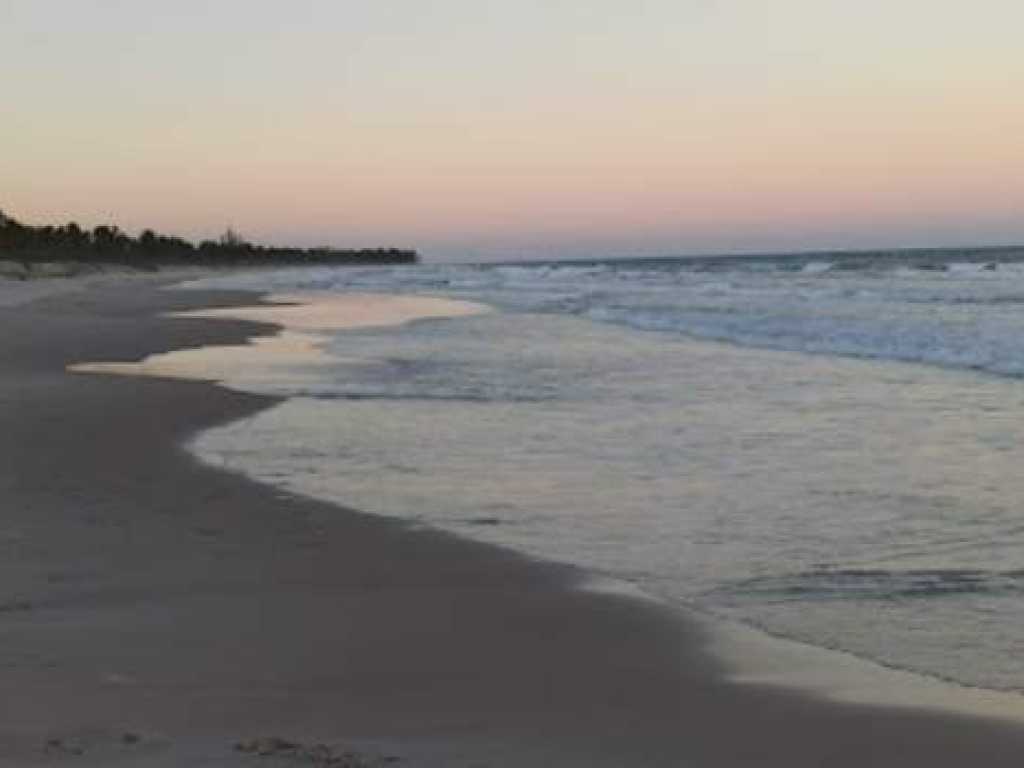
(110, 244)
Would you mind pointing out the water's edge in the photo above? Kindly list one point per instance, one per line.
(755, 657)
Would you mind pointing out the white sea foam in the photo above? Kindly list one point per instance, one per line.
(958, 314)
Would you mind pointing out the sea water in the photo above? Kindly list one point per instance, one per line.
(827, 448)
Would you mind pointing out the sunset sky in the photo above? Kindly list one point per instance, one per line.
(520, 128)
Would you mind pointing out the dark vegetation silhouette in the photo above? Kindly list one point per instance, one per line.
(109, 244)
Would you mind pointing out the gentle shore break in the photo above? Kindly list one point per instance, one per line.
(750, 656)
(195, 610)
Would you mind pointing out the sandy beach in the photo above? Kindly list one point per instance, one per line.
(158, 612)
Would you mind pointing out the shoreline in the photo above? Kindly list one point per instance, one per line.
(197, 608)
(750, 654)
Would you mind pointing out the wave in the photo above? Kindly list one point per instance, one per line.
(873, 584)
(957, 309)
(414, 396)
(997, 350)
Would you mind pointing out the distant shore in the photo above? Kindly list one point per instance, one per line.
(108, 244)
(156, 611)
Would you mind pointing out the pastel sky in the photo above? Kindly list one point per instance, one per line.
(520, 128)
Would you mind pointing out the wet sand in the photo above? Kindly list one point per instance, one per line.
(157, 612)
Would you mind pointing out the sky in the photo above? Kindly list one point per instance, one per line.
(478, 129)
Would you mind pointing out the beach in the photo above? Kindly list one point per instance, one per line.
(157, 611)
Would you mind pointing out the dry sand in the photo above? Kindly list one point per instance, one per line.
(157, 612)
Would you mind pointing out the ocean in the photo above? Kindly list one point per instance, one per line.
(827, 448)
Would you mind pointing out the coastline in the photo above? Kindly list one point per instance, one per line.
(749, 654)
(152, 595)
